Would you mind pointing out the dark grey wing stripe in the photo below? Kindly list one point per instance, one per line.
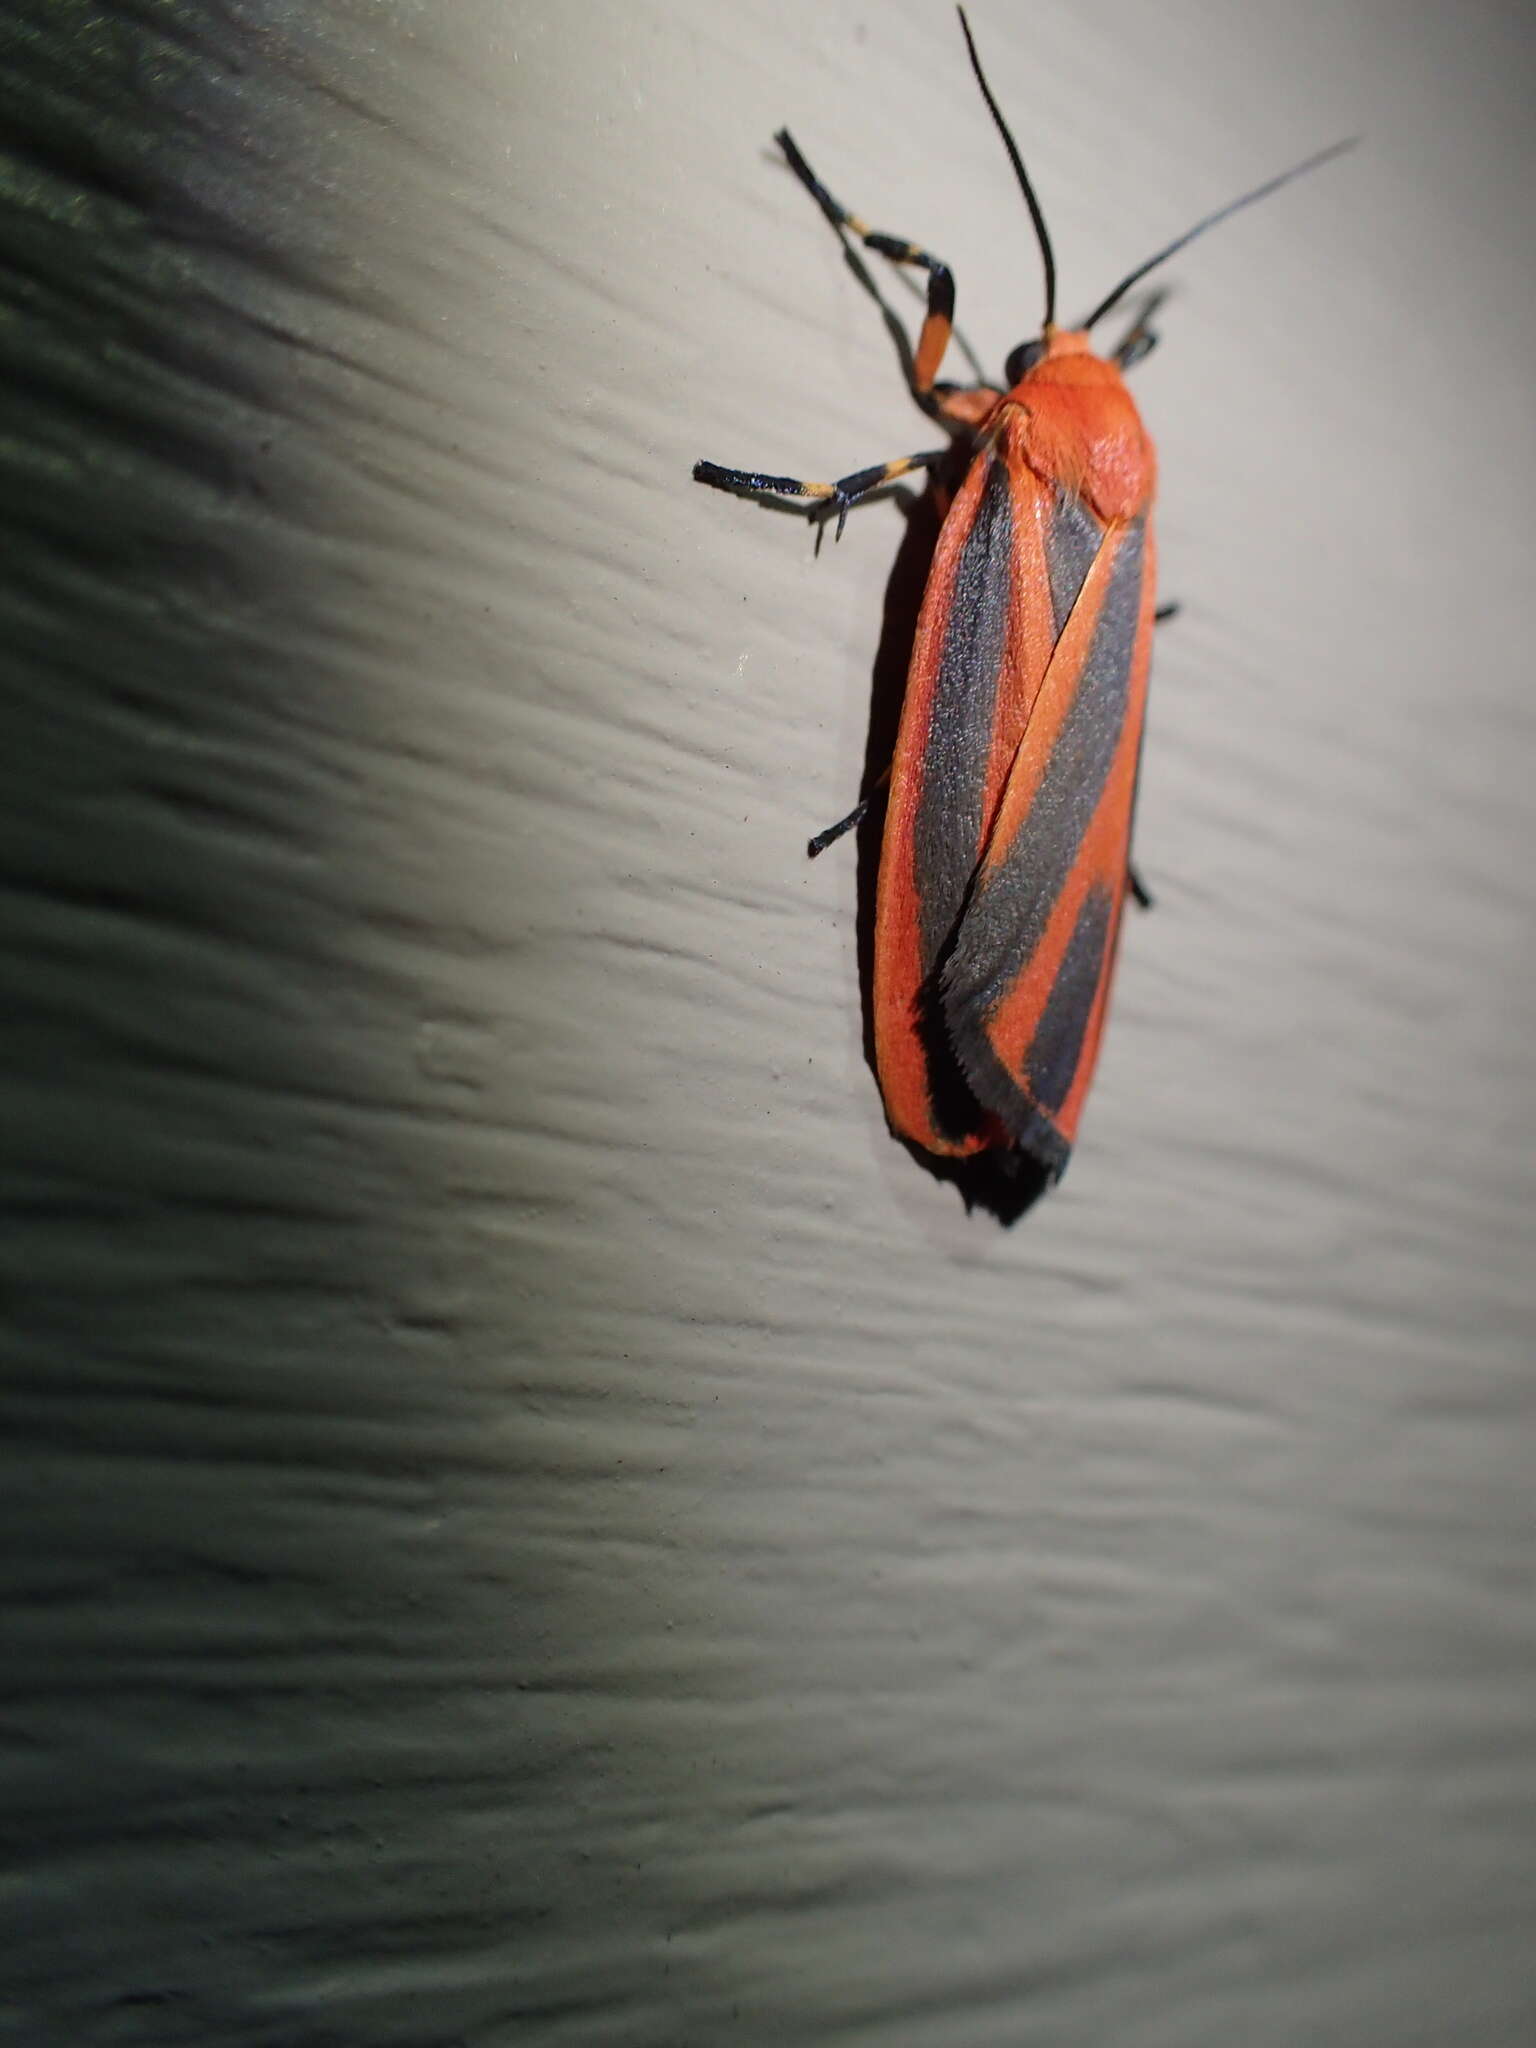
(1057, 1046)
(1071, 545)
(1056, 1050)
(946, 832)
(993, 1086)
(1006, 919)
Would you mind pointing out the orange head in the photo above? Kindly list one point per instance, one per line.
(1078, 426)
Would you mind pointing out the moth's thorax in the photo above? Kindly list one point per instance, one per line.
(1073, 421)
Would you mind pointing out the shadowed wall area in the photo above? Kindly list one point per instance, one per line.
(529, 1517)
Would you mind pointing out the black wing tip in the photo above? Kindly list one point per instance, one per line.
(1031, 1129)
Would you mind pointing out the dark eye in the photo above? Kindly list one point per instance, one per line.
(1024, 357)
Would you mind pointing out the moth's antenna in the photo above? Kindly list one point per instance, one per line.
(1047, 256)
(1232, 206)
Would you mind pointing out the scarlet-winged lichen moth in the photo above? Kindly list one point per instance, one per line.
(1005, 861)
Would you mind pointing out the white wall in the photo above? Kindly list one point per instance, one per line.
(532, 1518)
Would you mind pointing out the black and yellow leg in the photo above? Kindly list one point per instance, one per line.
(843, 494)
(938, 322)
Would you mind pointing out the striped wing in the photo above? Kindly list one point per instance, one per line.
(1000, 888)
(1025, 983)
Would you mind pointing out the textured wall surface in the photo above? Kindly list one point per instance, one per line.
(530, 1518)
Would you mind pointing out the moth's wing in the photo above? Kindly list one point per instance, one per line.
(984, 641)
(1025, 980)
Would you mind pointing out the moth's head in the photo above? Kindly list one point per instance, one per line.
(1047, 347)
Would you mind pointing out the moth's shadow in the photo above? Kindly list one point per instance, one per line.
(1005, 1184)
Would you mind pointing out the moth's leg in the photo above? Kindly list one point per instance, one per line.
(843, 494)
(856, 816)
(1142, 338)
(939, 320)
